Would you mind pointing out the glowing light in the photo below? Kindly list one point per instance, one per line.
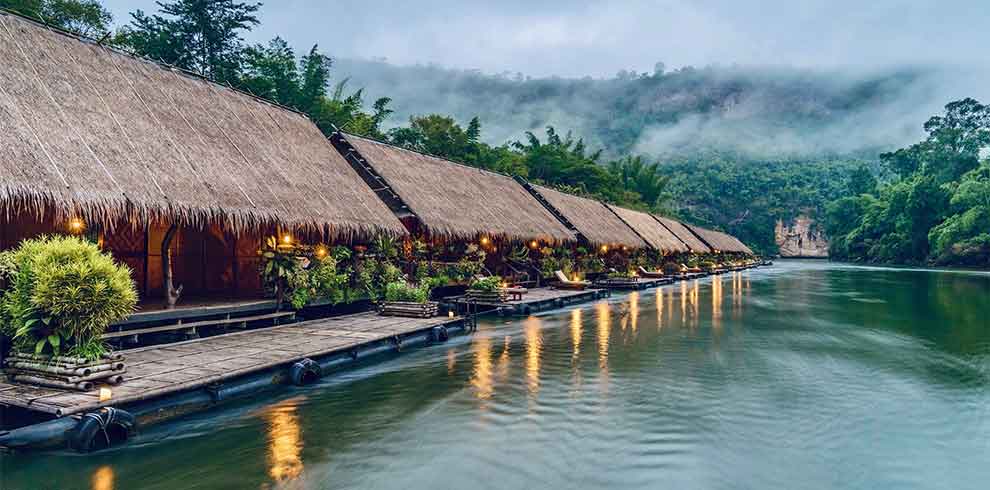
(105, 394)
(485, 240)
(103, 478)
(450, 314)
(534, 244)
(604, 249)
(77, 225)
(287, 239)
(321, 251)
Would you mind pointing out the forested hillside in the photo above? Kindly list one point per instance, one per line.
(936, 210)
(757, 112)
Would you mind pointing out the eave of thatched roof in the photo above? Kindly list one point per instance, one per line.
(455, 200)
(592, 219)
(93, 132)
(684, 234)
(650, 229)
(720, 242)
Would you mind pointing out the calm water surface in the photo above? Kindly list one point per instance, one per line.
(806, 375)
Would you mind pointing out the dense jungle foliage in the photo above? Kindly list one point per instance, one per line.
(936, 210)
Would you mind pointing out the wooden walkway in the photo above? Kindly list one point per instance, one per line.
(158, 371)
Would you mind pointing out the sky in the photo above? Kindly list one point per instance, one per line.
(575, 38)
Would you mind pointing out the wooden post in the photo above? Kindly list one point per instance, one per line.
(171, 293)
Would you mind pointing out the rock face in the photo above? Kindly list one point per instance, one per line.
(801, 238)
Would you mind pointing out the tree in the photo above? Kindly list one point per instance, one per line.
(203, 36)
(645, 179)
(441, 136)
(861, 181)
(86, 17)
(939, 209)
(270, 71)
(952, 147)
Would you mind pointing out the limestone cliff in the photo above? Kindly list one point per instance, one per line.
(802, 237)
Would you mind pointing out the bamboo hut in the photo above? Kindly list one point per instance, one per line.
(679, 230)
(592, 219)
(447, 199)
(127, 149)
(654, 233)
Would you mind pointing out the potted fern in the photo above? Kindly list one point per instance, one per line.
(62, 293)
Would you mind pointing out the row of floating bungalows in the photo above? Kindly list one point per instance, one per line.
(101, 142)
(174, 174)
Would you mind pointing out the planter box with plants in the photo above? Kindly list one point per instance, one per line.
(59, 296)
(402, 299)
(486, 290)
(619, 279)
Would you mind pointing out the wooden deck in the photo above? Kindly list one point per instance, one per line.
(535, 300)
(154, 311)
(158, 371)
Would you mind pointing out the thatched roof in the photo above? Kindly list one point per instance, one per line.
(96, 133)
(684, 234)
(650, 229)
(719, 241)
(592, 219)
(739, 246)
(455, 200)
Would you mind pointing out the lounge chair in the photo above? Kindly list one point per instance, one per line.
(564, 283)
(651, 275)
(694, 270)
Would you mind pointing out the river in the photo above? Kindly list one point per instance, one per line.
(804, 375)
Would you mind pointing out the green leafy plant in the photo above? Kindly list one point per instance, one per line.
(385, 247)
(63, 293)
(486, 284)
(328, 280)
(403, 291)
(620, 275)
(283, 274)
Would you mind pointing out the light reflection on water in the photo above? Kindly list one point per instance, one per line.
(103, 478)
(284, 442)
(534, 348)
(791, 384)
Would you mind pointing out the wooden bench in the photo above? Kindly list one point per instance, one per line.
(190, 328)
